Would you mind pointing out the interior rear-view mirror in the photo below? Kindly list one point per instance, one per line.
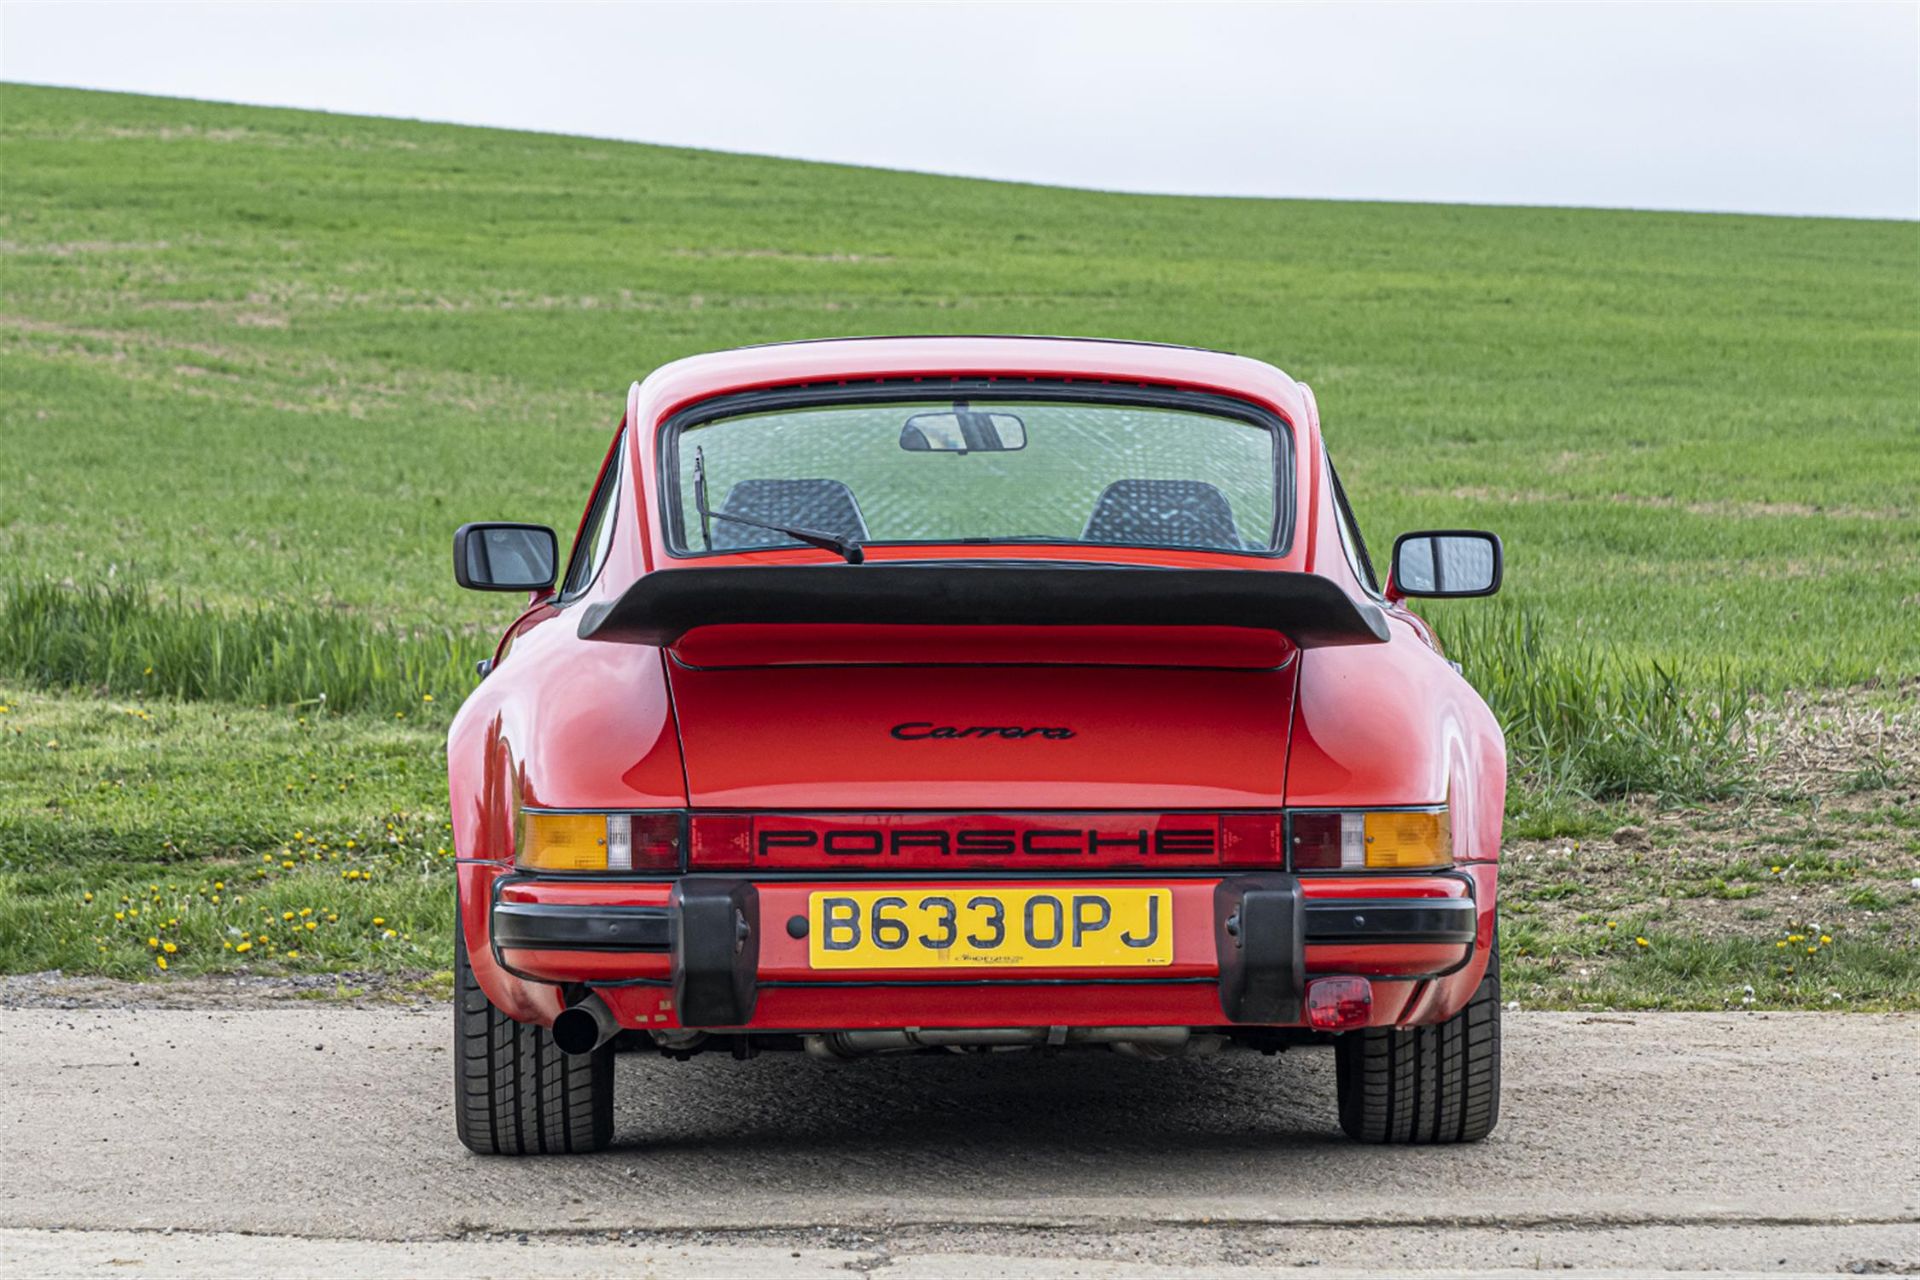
(1443, 563)
(495, 556)
(963, 430)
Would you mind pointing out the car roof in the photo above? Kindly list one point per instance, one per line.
(863, 359)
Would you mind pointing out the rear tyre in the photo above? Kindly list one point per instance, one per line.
(1425, 1084)
(514, 1092)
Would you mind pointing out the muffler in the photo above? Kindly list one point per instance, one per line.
(582, 1028)
(841, 1045)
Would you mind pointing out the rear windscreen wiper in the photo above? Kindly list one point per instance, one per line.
(847, 548)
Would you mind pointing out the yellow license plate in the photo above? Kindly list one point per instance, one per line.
(959, 927)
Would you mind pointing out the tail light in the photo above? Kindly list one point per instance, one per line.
(616, 842)
(1372, 840)
(1339, 1004)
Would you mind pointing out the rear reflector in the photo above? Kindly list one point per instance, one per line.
(721, 841)
(1339, 1004)
(1253, 840)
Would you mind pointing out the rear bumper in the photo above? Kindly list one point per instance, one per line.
(715, 951)
(556, 926)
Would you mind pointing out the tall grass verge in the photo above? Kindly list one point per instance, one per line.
(1580, 719)
(118, 639)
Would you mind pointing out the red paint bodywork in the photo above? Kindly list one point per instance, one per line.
(772, 719)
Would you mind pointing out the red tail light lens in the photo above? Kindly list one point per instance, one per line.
(1316, 841)
(722, 842)
(655, 840)
(1339, 1004)
(1253, 840)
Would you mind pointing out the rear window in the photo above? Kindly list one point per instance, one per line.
(980, 467)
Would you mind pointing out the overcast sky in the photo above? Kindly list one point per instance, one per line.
(1775, 108)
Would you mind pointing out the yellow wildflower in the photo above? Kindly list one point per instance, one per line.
(161, 961)
(169, 947)
(1640, 942)
(245, 946)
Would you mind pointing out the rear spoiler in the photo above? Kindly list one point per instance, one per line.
(665, 605)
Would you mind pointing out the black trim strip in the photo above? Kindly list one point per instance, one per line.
(1391, 921)
(542, 926)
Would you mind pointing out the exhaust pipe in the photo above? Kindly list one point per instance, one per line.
(584, 1027)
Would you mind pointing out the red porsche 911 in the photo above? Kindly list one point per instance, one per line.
(965, 695)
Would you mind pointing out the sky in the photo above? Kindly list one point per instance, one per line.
(1762, 108)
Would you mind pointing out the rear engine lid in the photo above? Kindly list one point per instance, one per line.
(1045, 735)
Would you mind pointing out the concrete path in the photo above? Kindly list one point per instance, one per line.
(318, 1141)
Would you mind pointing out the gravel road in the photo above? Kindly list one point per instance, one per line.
(318, 1140)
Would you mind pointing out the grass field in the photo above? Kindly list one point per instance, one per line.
(255, 365)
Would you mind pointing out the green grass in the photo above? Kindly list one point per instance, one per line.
(203, 824)
(117, 639)
(255, 366)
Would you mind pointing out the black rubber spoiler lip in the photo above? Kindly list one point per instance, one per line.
(666, 604)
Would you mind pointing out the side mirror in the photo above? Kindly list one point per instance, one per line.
(1446, 564)
(505, 557)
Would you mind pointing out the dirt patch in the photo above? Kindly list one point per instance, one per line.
(55, 990)
(1822, 849)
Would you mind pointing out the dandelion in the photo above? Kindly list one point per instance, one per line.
(286, 915)
(378, 921)
(426, 697)
(1813, 950)
(287, 865)
(1781, 945)
(219, 884)
(306, 911)
(153, 942)
(242, 947)
(389, 934)
(161, 961)
(86, 897)
(1826, 939)
(313, 924)
(169, 947)
(1640, 942)
(1612, 925)
(119, 915)
(293, 955)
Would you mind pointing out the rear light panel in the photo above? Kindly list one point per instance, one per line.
(1371, 839)
(598, 843)
(653, 841)
(975, 841)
